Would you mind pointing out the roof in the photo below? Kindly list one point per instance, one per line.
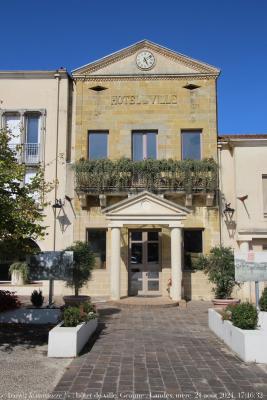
(33, 74)
(244, 136)
(199, 66)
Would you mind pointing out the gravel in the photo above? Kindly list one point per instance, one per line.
(26, 372)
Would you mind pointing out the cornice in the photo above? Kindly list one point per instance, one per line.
(102, 78)
(198, 66)
(34, 74)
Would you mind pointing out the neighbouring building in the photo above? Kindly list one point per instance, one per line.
(243, 188)
(36, 107)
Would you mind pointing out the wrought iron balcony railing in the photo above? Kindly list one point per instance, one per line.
(124, 175)
(28, 153)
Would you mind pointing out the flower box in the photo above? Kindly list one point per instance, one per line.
(69, 341)
(30, 316)
(249, 345)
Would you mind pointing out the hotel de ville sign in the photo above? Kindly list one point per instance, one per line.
(144, 99)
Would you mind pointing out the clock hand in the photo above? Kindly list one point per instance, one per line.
(146, 60)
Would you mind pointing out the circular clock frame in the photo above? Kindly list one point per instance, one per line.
(145, 68)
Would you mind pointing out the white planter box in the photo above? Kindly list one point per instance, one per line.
(69, 341)
(249, 345)
(30, 316)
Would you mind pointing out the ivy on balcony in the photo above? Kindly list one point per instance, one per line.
(102, 176)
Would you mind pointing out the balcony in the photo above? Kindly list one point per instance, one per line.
(27, 153)
(158, 176)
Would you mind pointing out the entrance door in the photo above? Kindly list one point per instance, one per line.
(144, 263)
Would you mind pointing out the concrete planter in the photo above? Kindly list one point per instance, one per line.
(17, 278)
(31, 316)
(69, 341)
(249, 345)
(75, 301)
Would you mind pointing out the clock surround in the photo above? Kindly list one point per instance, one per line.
(145, 60)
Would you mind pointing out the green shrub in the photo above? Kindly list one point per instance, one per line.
(83, 263)
(8, 300)
(37, 298)
(74, 316)
(21, 266)
(263, 300)
(244, 316)
(220, 268)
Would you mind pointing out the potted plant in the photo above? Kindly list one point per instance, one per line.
(19, 272)
(83, 262)
(37, 298)
(69, 337)
(220, 268)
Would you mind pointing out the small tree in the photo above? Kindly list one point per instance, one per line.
(220, 268)
(83, 263)
(20, 214)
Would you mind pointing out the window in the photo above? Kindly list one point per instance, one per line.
(29, 152)
(97, 240)
(32, 128)
(191, 145)
(97, 145)
(193, 246)
(144, 145)
(264, 193)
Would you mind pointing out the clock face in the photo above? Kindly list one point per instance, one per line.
(145, 60)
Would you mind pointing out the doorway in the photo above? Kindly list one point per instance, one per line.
(144, 263)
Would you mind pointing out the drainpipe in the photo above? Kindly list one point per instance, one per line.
(57, 76)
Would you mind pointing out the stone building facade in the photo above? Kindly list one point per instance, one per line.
(146, 101)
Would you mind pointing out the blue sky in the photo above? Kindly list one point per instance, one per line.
(229, 34)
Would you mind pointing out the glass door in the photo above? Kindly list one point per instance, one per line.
(144, 263)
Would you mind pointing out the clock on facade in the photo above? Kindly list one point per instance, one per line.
(145, 60)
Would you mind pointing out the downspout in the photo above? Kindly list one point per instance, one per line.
(219, 171)
(57, 76)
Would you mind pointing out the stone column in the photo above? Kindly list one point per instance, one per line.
(244, 246)
(115, 263)
(176, 263)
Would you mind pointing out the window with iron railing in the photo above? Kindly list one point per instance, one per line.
(25, 135)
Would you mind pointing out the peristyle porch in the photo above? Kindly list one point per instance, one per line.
(140, 212)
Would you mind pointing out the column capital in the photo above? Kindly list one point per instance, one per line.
(176, 224)
(115, 224)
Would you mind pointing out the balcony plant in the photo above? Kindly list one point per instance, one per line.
(83, 263)
(263, 301)
(220, 268)
(155, 175)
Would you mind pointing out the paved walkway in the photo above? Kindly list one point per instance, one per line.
(160, 353)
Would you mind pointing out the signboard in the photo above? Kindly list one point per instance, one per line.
(50, 265)
(251, 266)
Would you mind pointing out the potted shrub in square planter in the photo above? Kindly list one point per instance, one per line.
(19, 272)
(68, 338)
(220, 268)
(83, 262)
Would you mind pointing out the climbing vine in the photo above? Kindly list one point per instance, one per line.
(153, 175)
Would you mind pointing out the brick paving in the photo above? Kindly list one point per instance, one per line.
(160, 353)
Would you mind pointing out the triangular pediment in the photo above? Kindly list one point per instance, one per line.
(167, 62)
(148, 205)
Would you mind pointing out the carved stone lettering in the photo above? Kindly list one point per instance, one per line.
(144, 99)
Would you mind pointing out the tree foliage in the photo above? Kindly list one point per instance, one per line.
(83, 263)
(21, 215)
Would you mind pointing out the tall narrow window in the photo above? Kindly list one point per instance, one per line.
(191, 148)
(97, 240)
(97, 145)
(12, 122)
(32, 138)
(144, 145)
(264, 193)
